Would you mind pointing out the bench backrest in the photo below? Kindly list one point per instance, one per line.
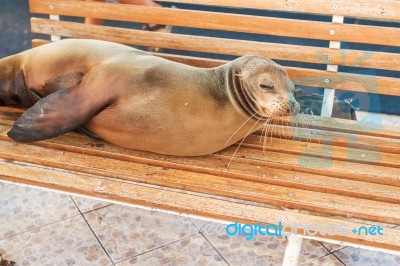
(324, 44)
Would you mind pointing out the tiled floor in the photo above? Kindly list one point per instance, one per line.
(45, 228)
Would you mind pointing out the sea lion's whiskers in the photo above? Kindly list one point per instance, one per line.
(293, 126)
(272, 131)
(296, 123)
(227, 167)
(240, 128)
(279, 129)
(298, 135)
(312, 117)
(266, 134)
(314, 125)
(262, 132)
(304, 127)
(307, 129)
(299, 129)
(285, 130)
(312, 121)
(302, 130)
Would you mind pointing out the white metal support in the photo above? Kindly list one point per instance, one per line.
(54, 17)
(292, 251)
(329, 94)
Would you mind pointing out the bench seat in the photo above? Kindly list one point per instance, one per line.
(289, 179)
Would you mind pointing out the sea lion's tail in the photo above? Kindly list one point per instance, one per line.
(13, 90)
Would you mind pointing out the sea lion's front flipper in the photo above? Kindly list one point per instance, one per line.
(58, 113)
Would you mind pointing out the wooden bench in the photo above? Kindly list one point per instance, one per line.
(329, 172)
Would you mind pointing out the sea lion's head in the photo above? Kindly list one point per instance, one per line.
(262, 88)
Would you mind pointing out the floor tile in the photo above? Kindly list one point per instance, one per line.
(261, 250)
(23, 208)
(126, 232)
(209, 228)
(363, 257)
(190, 251)
(328, 260)
(68, 242)
(311, 250)
(87, 204)
(332, 247)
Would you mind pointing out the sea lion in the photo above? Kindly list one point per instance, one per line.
(136, 100)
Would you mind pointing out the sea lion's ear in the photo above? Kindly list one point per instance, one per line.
(56, 114)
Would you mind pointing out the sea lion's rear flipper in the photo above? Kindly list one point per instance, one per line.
(62, 111)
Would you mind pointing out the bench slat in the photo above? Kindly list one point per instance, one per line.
(385, 9)
(153, 197)
(310, 54)
(203, 183)
(318, 150)
(222, 21)
(343, 125)
(335, 138)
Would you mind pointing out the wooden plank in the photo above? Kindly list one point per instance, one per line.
(302, 76)
(288, 52)
(153, 197)
(334, 138)
(203, 183)
(319, 150)
(344, 81)
(222, 21)
(372, 9)
(340, 125)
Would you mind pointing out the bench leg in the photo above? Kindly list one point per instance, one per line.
(292, 251)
